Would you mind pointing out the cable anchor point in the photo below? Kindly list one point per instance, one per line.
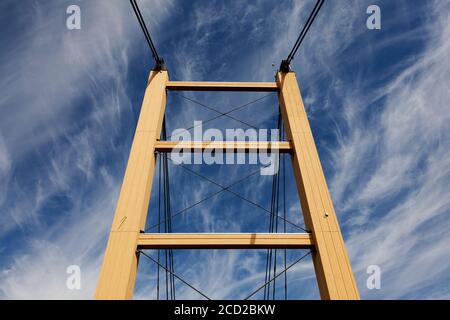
(285, 66)
(159, 65)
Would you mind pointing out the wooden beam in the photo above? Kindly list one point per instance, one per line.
(118, 272)
(236, 146)
(222, 86)
(333, 270)
(224, 240)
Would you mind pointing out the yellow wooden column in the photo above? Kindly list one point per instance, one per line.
(118, 272)
(333, 270)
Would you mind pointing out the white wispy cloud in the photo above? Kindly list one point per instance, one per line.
(5, 167)
(389, 176)
(404, 195)
(52, 72)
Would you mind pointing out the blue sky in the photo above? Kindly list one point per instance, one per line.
(377, 103)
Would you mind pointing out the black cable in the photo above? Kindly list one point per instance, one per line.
(276, 231)
(269, 251)
(175, 275)
(166, 231)
(159, 220)
(227, 189)
(217, 111)
(227, 113)
(167, 224)
(305, 29)
(166, 221)
(284, 216)
(273, 227)
(277, 207)
(286, 63)
(159, 62)
(168, 214)
(144, 28)
(276, 276)
(210, 196)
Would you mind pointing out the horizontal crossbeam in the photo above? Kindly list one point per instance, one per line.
(224, 240)
(236, 146)
(222, 86)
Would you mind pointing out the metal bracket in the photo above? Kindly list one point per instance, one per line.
(160, 65)
(285, 66)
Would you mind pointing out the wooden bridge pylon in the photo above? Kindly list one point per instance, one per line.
(331, 263)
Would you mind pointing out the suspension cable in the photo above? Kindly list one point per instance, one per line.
(228, 112)
(227, 189)
(279, 274)
(174, 274)
(284, 216)
(273, 227)
(285, 64)
(159, 62)
(277, 209)
(206, 198)
(217, 111)
(159, 222)
(168, 217)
